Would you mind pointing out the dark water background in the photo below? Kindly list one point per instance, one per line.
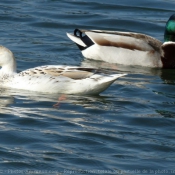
(128, 129)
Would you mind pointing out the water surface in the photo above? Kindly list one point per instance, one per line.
(128, 129)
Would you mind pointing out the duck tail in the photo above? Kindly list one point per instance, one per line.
(76, 39)
(103, 82)
(82, 42)
(111, 78)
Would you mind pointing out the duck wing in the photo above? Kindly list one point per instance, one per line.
(72, 72)
(127, 40)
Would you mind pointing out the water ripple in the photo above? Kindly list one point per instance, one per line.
(128, 127)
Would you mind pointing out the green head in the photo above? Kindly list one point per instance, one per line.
(169, 34)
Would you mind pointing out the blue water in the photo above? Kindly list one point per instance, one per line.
(128, 129)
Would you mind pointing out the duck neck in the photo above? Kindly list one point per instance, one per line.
(169, 37)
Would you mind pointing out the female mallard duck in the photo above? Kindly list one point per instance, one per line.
(52, 78)
(128, 48)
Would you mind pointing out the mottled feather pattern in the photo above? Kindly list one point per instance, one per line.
(53, 70)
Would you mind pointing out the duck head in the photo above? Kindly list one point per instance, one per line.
(168, 47)
(7, 61)
(169, 34)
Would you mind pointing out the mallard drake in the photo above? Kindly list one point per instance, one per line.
(53, 78)
(128, 48)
